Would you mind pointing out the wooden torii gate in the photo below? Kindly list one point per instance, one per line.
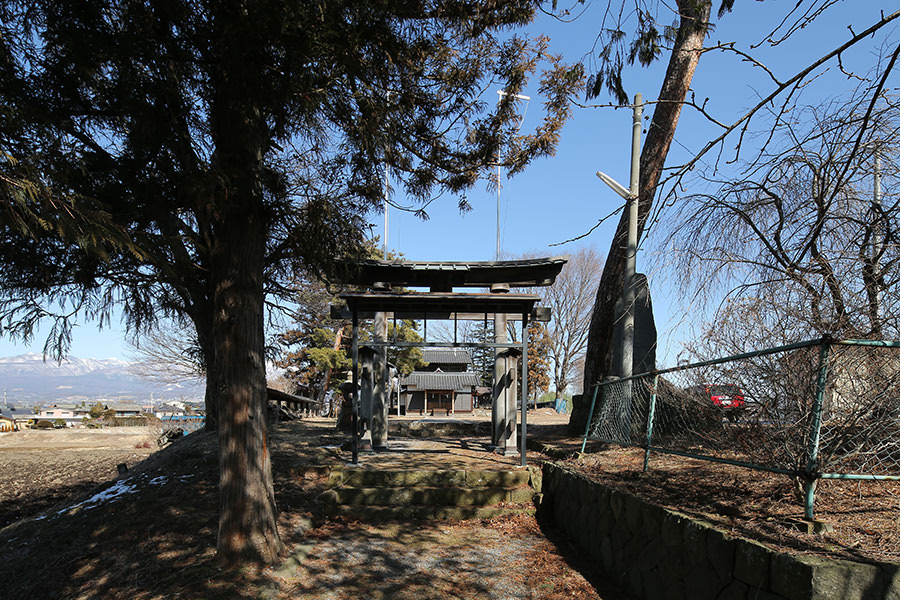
(440, 302)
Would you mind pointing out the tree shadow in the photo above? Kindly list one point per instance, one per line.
(579, 560)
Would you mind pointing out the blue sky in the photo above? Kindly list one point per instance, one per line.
(559, 198)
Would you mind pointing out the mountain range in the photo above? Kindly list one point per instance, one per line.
(28, 379)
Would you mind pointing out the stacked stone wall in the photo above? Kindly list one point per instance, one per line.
(660, 554)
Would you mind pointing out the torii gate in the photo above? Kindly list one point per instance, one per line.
(440, 302)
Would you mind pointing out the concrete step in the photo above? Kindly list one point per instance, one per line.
(433, 429)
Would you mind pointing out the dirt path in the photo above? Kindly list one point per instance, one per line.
(503, 559)
(158, 540)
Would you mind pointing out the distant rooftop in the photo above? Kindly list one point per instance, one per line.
(446, 356)
(420, 380)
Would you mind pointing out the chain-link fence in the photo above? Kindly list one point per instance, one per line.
(820, 409)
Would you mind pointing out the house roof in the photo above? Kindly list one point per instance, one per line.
(447, 356)
(124, 407)
(422, 380)
(59, 407)
(15, 411)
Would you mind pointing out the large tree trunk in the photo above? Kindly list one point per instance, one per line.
(247, 515)
(211, 412)
(694, 19)
(239, 224)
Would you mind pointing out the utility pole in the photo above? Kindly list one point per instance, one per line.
(387, 186)
(631, 197)
(500, 94)
(877, 229)
(631, 249)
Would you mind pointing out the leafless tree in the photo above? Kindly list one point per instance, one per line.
(571, 299)
(801, 242)
(685, 44)
(168, 354)
(801, 246)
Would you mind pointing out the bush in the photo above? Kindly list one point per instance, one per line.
(43, 424)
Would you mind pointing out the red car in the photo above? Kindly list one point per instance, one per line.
(726, 395)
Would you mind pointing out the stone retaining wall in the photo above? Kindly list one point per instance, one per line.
(660, 554)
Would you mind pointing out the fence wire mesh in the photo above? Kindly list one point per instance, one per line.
(811, 409)
(861, 411)
(622, 411)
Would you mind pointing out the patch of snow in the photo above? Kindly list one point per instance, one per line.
(159, 480)
(120, 488)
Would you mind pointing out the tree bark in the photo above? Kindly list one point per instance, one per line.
(693, 25)
(202, 320)
(239, 224)
(247, 514)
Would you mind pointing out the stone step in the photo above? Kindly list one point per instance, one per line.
(428, 513)
(428, 478)
(431, 496)
(423, 494)
(433, 429)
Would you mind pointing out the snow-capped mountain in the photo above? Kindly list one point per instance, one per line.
(28, 379)
(34, 363)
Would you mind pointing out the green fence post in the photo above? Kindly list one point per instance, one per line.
(815, 431)
(650, 414)
(590, 418)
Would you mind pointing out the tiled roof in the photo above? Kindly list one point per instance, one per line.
(124, 407)
(420, 380)
(446, 356)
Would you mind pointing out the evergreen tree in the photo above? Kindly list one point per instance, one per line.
(237, 142)
(406, 360)
(539, 345)
(482, 331)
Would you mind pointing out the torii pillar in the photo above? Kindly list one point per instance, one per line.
(503, 407)
(381, 403)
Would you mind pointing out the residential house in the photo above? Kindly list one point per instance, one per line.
(169, 410)
(7, 424)
(126, 410)
(70, 415)
(21, 416)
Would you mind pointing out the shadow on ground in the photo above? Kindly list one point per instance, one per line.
(151, 535)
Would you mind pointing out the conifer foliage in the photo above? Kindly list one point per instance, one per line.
(234, 142)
